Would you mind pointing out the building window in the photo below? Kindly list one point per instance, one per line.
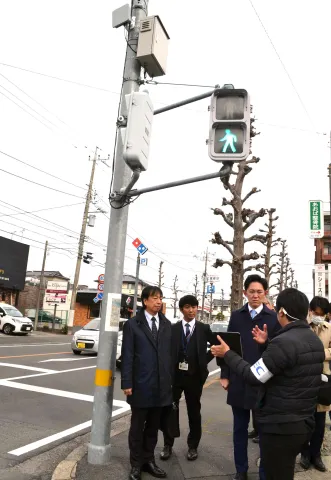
(327, 226)
(327, 248)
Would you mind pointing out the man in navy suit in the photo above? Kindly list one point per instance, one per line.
(241, 396)
(146, 377)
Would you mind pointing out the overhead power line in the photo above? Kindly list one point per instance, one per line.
(42, 171)
(40, 184)
(282, 63)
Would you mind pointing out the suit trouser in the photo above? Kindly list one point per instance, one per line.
(241, 418)
(192, 388)
(278, 454)
(143, 434)
(312, 448)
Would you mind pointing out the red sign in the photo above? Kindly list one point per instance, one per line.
(136, 242)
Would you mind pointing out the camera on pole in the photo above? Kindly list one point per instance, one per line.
(229, 128)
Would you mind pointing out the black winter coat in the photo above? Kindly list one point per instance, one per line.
(295, 359)
(241, 394)
(146, 365)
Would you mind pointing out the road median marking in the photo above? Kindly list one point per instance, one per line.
(26, 367)
(36, 354)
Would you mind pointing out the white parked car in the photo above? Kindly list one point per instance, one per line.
(87, 339)
(12, 321)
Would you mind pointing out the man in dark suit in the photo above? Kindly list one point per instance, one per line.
(146, 377)
(241, 396)
(190, 358)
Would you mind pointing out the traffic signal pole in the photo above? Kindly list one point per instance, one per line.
(99, 448)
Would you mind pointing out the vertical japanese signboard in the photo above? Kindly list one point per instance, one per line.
(316, 217)
(320, 280)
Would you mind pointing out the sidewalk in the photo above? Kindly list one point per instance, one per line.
(215, 460)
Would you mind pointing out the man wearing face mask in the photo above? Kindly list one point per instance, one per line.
(317, 318)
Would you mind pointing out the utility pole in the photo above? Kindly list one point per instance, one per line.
(81, 245)
(211, 302)
(41, 285)
(204, 282)
(99, 447)
(160, 275)
(222, 302)
(175, 293)
(136, 285)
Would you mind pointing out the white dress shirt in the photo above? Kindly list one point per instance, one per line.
(149, 319)
(191, 324)
(257, 310)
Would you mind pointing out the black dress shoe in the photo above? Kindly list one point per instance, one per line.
(166, 452)
(154, 470)
(192, 454)
(305, 462)
(240, 476)
(135, 473)
(318, 464)
(252, 434)
(256, 440)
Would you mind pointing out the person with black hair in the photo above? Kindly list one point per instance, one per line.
(289, 376)
(146, 379)
(190, 339)
(242, 396)
(317, 318)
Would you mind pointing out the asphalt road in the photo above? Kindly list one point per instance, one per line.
(46, 394)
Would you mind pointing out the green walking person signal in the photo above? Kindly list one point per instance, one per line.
(230, 139)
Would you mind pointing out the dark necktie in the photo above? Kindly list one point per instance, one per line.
(154, 329)
(187, 333)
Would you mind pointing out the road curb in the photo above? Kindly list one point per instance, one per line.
(66, 470)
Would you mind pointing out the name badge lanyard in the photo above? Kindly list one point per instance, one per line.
(185, 342)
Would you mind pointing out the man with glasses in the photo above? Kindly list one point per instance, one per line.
(241, 396)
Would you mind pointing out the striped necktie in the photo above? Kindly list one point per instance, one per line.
(154, 329)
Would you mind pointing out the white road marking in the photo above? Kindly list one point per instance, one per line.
(55, 392)
(33, 345)
(54, 372)
(66, 359)
(57, 436)
(214, 371)
(26, 367)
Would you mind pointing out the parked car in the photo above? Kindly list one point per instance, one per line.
(46, 317)
(86, 340)
(12, 321)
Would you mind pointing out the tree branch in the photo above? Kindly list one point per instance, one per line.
(220, 263)
(253, 160)
(258, 267)
(256, 238)
(227, 202)
(249, 194)
(219, 241)
(250, 256)
(252, 217)
(227, 218)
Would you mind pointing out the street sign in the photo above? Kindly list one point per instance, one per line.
(316, 215)
(211, 289)
(320, 280)
(101, 287)
(95, 300)
(144, 262)
(101, 278)
(213, 278)
(100, 296)
(142, 249)
(136, 242)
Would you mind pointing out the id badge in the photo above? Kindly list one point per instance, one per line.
(183, 366)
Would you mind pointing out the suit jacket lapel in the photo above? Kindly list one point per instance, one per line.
(145, 328)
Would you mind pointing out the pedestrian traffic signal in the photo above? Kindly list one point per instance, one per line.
(229, 130)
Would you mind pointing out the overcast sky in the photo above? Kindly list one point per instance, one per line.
(219, 42)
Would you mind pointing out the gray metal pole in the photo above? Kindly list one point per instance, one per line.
(81, 246)
(211, 303)
(99, 448)
(136, 284)
(41, 284)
